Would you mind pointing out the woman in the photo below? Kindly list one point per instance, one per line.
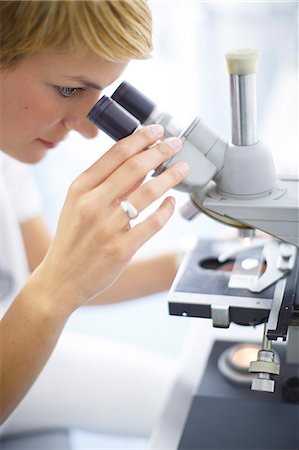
(56, 57)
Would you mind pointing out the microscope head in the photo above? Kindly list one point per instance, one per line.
(233, 182)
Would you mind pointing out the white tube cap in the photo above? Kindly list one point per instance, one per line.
(242, 61)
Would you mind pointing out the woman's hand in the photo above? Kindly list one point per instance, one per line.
(94, 239)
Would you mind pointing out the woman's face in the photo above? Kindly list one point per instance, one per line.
(45, 96)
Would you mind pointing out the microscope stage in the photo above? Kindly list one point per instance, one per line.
(205, 287)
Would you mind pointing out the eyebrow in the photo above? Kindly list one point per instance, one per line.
(87, 83)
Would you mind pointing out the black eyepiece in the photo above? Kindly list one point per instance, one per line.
(114, 120)
(133, 101)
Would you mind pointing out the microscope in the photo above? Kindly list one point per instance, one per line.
(249, 395)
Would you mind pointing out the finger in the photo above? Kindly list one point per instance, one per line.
(132, 189)
(137, 167)
(153, 190)
(143, 231)
(156, 187)
(117, 155)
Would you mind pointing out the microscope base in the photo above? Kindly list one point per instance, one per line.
(227, 416)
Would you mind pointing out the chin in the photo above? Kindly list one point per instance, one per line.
(31, 153)
(33, 158)
(29, 156)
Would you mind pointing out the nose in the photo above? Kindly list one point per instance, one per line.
(82, 125)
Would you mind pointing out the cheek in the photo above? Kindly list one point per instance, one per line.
(39, 112)
(30, 113)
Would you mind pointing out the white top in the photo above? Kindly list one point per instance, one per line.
(242, 61)
(19, 202)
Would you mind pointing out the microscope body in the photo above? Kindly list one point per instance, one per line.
(230, 281)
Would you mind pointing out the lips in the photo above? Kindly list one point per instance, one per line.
(50, 144)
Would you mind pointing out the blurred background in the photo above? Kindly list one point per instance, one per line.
(187, 77)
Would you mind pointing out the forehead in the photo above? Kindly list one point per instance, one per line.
(67, 68)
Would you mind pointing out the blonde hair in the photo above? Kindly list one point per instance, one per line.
(117, 30)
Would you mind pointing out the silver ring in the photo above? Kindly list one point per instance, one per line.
(129, 209)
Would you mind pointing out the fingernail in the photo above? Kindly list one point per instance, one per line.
(184, 168)
(174, 142)
(155, 130)
(172, 200)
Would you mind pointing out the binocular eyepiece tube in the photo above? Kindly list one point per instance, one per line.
(128, 109)
(128, 103)
(113, 119)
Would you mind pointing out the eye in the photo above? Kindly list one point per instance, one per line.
(68, 91)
